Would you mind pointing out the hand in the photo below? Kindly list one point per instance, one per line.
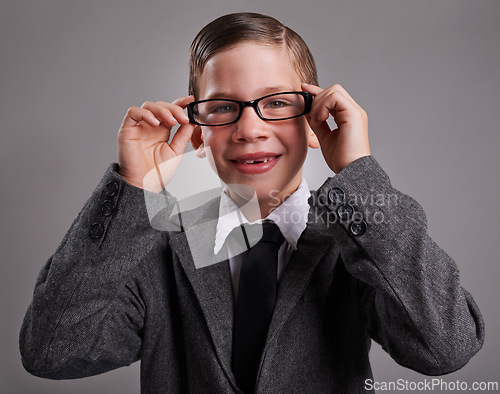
(349, 141)
(145, 158)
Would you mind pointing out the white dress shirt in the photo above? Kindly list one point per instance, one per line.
(290, 217)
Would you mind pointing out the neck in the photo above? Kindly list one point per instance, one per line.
(254, 208)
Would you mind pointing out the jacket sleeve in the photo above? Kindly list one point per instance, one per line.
(88, 307)
(415, 306)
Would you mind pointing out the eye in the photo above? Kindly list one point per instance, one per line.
(276, 104)
(222, 109)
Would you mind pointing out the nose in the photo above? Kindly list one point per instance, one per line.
(250, 127)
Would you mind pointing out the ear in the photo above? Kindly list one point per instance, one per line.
(197, 142)
(312, 138)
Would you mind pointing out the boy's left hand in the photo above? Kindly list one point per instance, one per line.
(349, 141)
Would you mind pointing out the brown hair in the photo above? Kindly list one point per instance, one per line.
(232, 29)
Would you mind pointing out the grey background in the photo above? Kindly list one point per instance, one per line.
(426, 72)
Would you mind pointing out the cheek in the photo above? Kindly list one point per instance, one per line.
(214, 148)
(212, 138)
(296, 141)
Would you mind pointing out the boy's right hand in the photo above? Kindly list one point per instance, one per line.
(145, 158)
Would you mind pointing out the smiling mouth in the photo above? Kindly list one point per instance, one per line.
(256, 161)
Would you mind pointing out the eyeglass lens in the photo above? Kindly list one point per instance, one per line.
(275, 107)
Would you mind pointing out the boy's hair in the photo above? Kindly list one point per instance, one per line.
(232, 29)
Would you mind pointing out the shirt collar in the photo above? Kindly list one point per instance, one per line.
(291, 216)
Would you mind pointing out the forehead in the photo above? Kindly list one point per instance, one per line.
(246, 71)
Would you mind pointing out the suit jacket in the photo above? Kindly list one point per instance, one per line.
(119, 289)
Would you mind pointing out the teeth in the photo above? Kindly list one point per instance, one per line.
(265, 160)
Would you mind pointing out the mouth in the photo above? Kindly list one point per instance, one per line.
(255, 163)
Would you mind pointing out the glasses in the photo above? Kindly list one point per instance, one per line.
(277, 106)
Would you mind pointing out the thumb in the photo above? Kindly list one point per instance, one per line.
(181, 138)
(321, 129)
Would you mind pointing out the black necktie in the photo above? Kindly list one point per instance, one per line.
(255, 304)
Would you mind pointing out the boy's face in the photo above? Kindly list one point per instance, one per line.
(247, 72)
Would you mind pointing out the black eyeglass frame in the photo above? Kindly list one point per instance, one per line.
(308, 97)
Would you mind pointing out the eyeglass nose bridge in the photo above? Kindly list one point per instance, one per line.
(252, 103)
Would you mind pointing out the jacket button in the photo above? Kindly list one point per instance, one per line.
(336, 195)
(358, 228)
(111, 188)
(107, 207)
(345, 212)
(96, 231)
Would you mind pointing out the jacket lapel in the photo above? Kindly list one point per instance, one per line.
(210, 278)
(313, 244)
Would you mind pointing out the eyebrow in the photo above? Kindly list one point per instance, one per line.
(264, 92)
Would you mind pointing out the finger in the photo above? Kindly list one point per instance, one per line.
(334, 103)
(183, 101)
(318, 102)
(176, 111)
(339, 88)
(135, 115)
(162, 112)
(313, 89)
(334, 88)
(318, 93)
(181, 138)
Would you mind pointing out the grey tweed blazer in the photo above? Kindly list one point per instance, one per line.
(119, 288)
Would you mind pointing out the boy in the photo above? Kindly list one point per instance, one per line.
(118, 290)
